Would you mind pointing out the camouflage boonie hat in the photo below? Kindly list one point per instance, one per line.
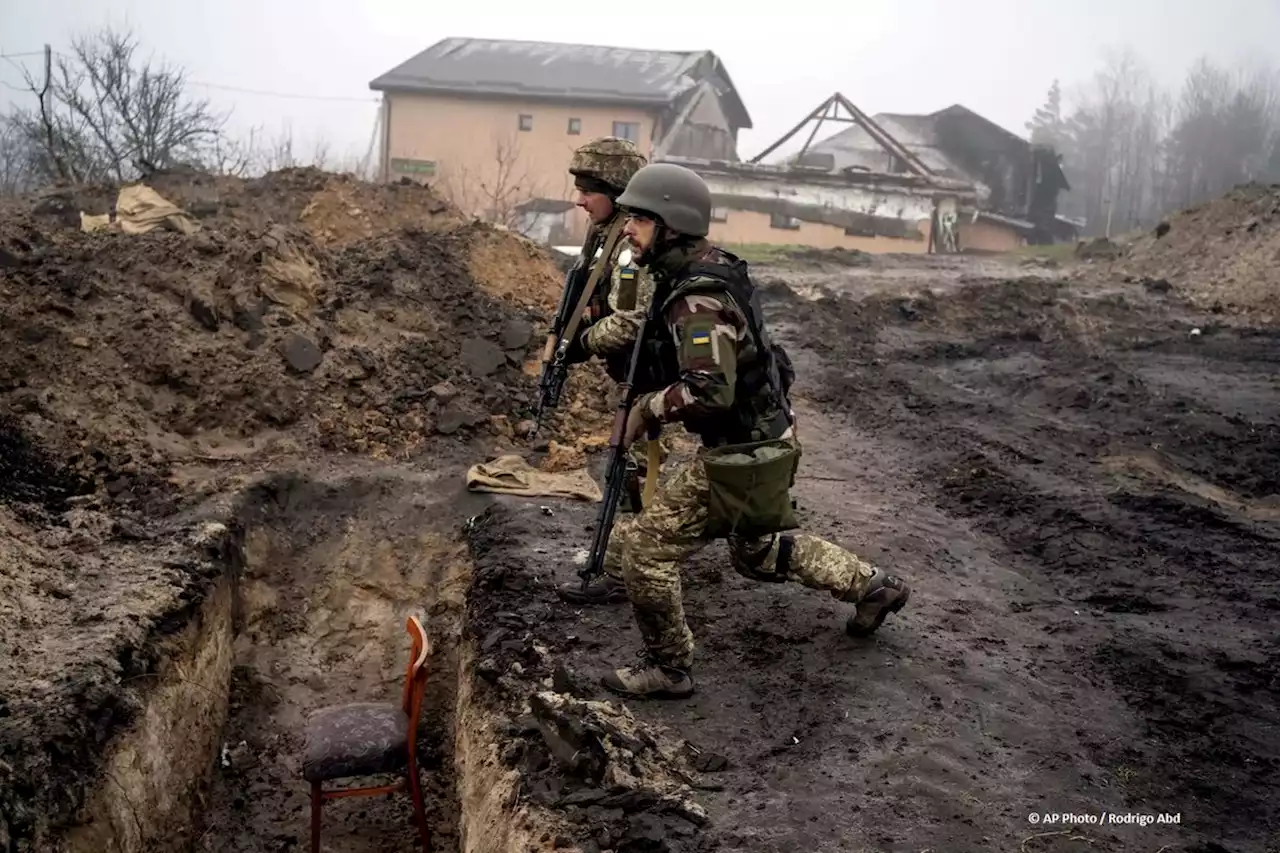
(610, 160)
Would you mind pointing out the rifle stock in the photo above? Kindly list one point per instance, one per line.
(551, 380)
(573, 303)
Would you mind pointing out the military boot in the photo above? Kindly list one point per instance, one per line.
(652, 679)
(604, 589)
(885, 594)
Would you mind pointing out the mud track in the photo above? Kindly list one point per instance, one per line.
(1080, 480)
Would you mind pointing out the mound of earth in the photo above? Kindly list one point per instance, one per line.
(1220, 254)
(294, 323)
(305, 316)
(838, 256)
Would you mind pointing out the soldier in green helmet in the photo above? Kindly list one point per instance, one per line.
(708, 353)
(601, 169)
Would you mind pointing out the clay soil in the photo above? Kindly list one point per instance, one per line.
(1075, 467)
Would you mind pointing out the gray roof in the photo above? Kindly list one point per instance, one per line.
(558, 71)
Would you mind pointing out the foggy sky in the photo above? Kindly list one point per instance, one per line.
(997, 57)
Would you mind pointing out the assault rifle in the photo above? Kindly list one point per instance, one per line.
(573, 302)
(620, 465)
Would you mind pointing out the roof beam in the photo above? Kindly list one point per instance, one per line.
(829, 110)
(664, 145)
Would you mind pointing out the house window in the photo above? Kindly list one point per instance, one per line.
(629, 130)
(719, 214)
(784, 222)
(575, 126)
(526, 122)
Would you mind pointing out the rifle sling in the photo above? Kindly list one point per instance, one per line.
(589, 244)
(611, 240)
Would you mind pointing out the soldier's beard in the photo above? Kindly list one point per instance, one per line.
(642, 257)
(637, 252)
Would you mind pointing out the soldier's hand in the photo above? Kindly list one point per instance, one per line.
(577, 351)
(636, 426)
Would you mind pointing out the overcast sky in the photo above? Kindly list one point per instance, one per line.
(997, 57)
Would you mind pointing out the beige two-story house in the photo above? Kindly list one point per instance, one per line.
(492, 124)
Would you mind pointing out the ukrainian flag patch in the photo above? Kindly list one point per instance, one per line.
(700, 337)
(627, 273)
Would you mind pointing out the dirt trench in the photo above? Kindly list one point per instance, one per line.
(326, 573)
(324, 570)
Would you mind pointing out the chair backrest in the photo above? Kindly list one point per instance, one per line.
(415, 680)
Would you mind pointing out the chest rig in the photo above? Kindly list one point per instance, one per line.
(761, 407)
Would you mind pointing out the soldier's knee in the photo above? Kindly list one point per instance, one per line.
(645, 579)
(767, 559)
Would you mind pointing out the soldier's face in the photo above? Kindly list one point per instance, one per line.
(597, 205)
(640, 232)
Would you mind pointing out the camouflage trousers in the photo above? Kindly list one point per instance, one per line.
(645, 551)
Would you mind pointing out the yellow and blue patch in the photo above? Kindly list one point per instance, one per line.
(627, 273)
(700, 337)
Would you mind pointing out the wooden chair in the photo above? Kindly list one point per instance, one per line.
(368, 739)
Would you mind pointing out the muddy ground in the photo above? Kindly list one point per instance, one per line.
(1075, 467)
(1080, 481)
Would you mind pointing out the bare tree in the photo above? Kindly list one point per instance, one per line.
(257, 153)
(15, 159)
(1110, 163)
(321, 154)
(110, 114)
(1132, 153)
(234, 157)
(496, 190)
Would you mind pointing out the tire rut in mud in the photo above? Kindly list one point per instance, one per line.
(1092, 438)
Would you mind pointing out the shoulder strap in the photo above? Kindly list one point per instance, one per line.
(610, 242)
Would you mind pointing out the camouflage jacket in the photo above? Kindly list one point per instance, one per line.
(613, 328)
(703, 357)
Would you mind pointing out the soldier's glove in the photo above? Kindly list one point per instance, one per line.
(577, 351)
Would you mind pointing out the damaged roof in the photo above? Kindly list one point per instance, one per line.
(954, 142)
(553, 71)
(854, 147)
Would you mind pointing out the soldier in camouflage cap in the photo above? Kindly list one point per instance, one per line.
(601, 169)
(604, 166)
(709, 355)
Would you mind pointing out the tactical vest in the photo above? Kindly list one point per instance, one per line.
(761, 396)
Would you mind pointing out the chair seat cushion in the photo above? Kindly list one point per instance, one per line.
(360, 739)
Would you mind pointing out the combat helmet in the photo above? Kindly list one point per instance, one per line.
(676, 195)
(610, 161)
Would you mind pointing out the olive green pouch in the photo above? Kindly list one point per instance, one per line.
(750, 488)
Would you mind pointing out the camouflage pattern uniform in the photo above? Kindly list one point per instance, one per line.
(720, 392)
(612, 319)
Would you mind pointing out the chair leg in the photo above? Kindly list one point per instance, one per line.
(317, 802)
(415, 788)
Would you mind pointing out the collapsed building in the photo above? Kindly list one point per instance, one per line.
(946, 182)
